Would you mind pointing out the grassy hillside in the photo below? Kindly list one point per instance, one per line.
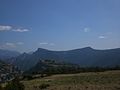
(109, 80)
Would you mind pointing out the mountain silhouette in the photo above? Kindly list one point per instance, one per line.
(84, 57)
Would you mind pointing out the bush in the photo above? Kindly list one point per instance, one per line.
(44, 86)
(1, 88)
(27, 77)
(14, 85)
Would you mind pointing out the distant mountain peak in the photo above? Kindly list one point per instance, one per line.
(88, 48)
(24, 53)
(41, 49)
(83, 49)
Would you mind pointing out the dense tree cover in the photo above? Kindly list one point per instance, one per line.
(73, 69)
(52, 67)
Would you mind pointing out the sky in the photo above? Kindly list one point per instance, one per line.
(26, 25)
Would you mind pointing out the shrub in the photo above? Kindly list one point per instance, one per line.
(14, 85)
(27, 77)
(1, 88)
(44, 86)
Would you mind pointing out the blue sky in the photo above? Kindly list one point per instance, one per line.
(26, 25)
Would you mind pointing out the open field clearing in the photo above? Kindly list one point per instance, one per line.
(109, 80)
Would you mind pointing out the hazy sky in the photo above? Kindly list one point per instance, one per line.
(26, 25)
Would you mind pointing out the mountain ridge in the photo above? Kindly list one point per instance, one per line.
(84, 57)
